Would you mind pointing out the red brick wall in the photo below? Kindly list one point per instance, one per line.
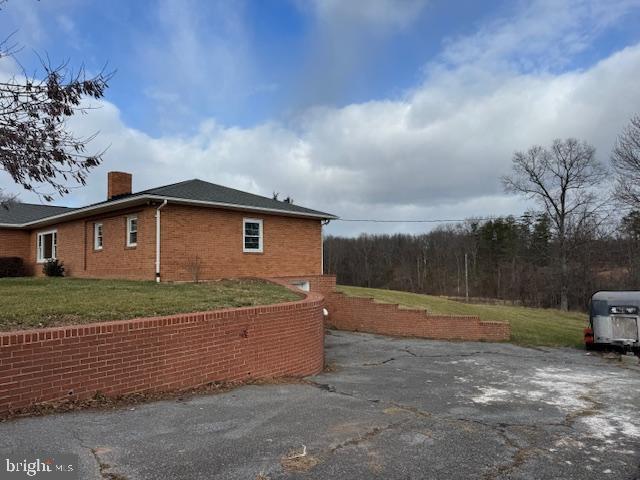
(161, 354)
(115, 260)
(364, 315)
(118, 183)
(323, 284)
(292, 246)
(15, 243)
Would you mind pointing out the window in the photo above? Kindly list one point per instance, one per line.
(47, 246)
(599, 308)
(301, 284)
(252, 235)
(97, 236)
(132, 231)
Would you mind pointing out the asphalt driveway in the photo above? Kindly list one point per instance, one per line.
(386, 408)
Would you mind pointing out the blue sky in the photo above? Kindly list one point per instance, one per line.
(246, 61)
(398, 108)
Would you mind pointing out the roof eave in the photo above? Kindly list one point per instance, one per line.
(16, 226)
(121, 203)
(245, 208)
(81, 212)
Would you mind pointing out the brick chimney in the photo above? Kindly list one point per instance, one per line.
(118, 184)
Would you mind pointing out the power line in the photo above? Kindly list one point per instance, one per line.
(438, 220)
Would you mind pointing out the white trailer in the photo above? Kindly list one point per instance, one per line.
(614, 320)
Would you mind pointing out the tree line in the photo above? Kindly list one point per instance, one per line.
(583, 236)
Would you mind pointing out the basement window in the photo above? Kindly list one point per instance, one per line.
(47, 246)
(252, 235)
(302, 285)
(97, 236)
(132, 231)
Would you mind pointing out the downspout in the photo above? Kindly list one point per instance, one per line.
(84, 257)
(321, 250)
(322, 224)
(158, 240)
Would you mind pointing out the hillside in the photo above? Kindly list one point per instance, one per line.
(529, 326)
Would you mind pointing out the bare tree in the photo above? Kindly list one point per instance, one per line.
(288, 199)
(37, 149)
(511, 258)
(626, 162)
(561, 179)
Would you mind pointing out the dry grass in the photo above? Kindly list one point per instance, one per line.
(529, 326)
(299, 461)
(99, 401)
(44, 302)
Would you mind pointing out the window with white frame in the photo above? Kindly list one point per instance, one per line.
(301, 284)
(47, 246)
(97, 236)
(132, 231)
(252, 235)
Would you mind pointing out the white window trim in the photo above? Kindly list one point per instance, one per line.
(129, 218)
(54, 246)
(302, 285)
(96, 245)
(244, 235)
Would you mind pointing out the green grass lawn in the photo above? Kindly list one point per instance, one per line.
(529, 326)
(44, 302)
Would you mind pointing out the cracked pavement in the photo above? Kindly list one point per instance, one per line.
(387, 408)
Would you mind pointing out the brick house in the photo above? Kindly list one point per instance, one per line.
(167, 233)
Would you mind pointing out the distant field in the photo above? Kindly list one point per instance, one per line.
(45, 302)
(529, 326)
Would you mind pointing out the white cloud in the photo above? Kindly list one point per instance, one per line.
(32, 17)
(66, 24)
(386, 159)
(199, 55)
(31, 30)
(543, 34)
(376, 13)
(437, 152)
(346, 37)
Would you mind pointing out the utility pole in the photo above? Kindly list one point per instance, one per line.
(457, 275)
(466, 278)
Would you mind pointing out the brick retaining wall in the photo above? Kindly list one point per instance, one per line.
(161, 354)
(323, 284)
(365, 315)
(187, 350)
(360, 314)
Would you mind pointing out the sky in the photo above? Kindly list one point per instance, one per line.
(384, 109)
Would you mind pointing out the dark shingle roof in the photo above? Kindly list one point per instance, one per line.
(189, 190)
(200, 190)
(17, 213)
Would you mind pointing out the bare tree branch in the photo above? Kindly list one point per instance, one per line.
(37, 149)
(562, 179)
(626, 163)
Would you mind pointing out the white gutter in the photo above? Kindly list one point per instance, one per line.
(321, 249)
(158, 240)
(183, 201)
(246, 208)
(75, 211)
